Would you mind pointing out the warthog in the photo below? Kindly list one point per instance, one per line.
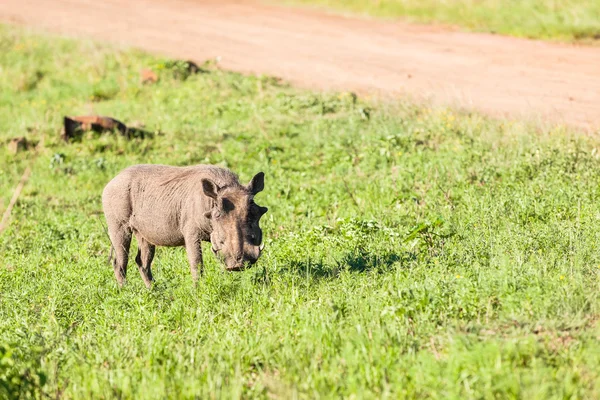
(183, 206)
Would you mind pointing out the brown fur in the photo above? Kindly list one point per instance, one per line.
(182, 206)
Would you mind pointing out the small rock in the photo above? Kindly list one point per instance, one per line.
(148, 76)
(73, 125)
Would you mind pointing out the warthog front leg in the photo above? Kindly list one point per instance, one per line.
(144, 258)
(193, 247)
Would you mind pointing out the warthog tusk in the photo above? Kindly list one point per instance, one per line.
(261, 247)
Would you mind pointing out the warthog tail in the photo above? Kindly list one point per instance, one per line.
(110, 256)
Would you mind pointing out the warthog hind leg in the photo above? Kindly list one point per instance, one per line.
(144, 258)
(120, 238)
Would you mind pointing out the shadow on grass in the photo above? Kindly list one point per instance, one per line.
(352, 262)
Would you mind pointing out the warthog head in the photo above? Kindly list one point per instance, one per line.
(236, 235)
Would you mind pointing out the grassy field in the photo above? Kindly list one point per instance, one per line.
(410, 252)
(568, 20)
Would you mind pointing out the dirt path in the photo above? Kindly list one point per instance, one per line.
(497, 75)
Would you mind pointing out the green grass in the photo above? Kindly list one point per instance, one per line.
(539, 19)
(410, 252)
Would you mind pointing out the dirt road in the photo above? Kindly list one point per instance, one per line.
(497, 75)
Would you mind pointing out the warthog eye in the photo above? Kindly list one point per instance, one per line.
(227, 205)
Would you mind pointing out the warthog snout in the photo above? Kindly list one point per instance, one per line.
(241, 261)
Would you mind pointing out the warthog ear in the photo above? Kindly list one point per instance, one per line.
(210, 189)
(257, 184)
(262, 210)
